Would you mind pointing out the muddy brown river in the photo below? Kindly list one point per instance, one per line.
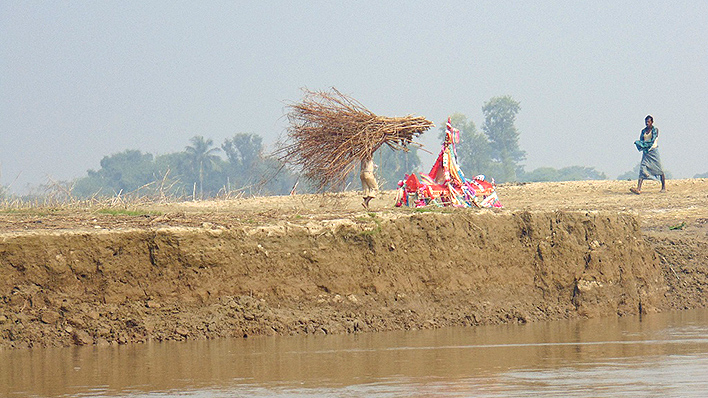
(654, 355)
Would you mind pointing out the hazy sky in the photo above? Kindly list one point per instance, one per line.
(83, 79)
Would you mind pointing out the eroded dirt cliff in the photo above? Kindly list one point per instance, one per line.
(306, 266)
(420, 270)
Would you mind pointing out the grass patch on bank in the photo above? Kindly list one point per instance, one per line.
(678, 226)
(374, 231)
(30, 211)
(126, 212)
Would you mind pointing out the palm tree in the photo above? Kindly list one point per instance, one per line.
(202, 157)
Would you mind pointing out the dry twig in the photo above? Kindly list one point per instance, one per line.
(331, 133)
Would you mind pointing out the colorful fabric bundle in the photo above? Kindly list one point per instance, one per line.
(445, 184)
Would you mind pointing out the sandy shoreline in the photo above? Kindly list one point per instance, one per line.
(309, 264)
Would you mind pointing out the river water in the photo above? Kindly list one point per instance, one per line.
(657, 355)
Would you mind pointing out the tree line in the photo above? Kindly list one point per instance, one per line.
(495, 150)
(197, 172)
(200, 171)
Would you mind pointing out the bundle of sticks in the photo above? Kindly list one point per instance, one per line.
(330, 133)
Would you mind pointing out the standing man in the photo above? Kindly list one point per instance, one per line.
(368, 181)
(651, 163)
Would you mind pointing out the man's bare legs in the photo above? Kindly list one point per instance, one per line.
(638, 189)
(640, 181)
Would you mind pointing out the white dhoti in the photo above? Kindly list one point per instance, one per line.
(368, 184)
(368, 181)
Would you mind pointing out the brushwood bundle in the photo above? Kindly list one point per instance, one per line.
(330, 133)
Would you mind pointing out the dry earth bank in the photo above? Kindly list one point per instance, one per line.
(319, 264)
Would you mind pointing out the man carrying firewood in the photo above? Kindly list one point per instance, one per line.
(368, 181)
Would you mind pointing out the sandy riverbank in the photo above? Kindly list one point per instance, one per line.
(320, 264)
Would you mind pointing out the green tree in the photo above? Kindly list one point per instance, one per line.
(572, 173)
(541, 174)
(499, 117)
(243, 150)
(244, 153)
(252, 171)
(122, 172)
(473, 150)
(175, 173)
(278, 179)
(581, 173)
(202, 159)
